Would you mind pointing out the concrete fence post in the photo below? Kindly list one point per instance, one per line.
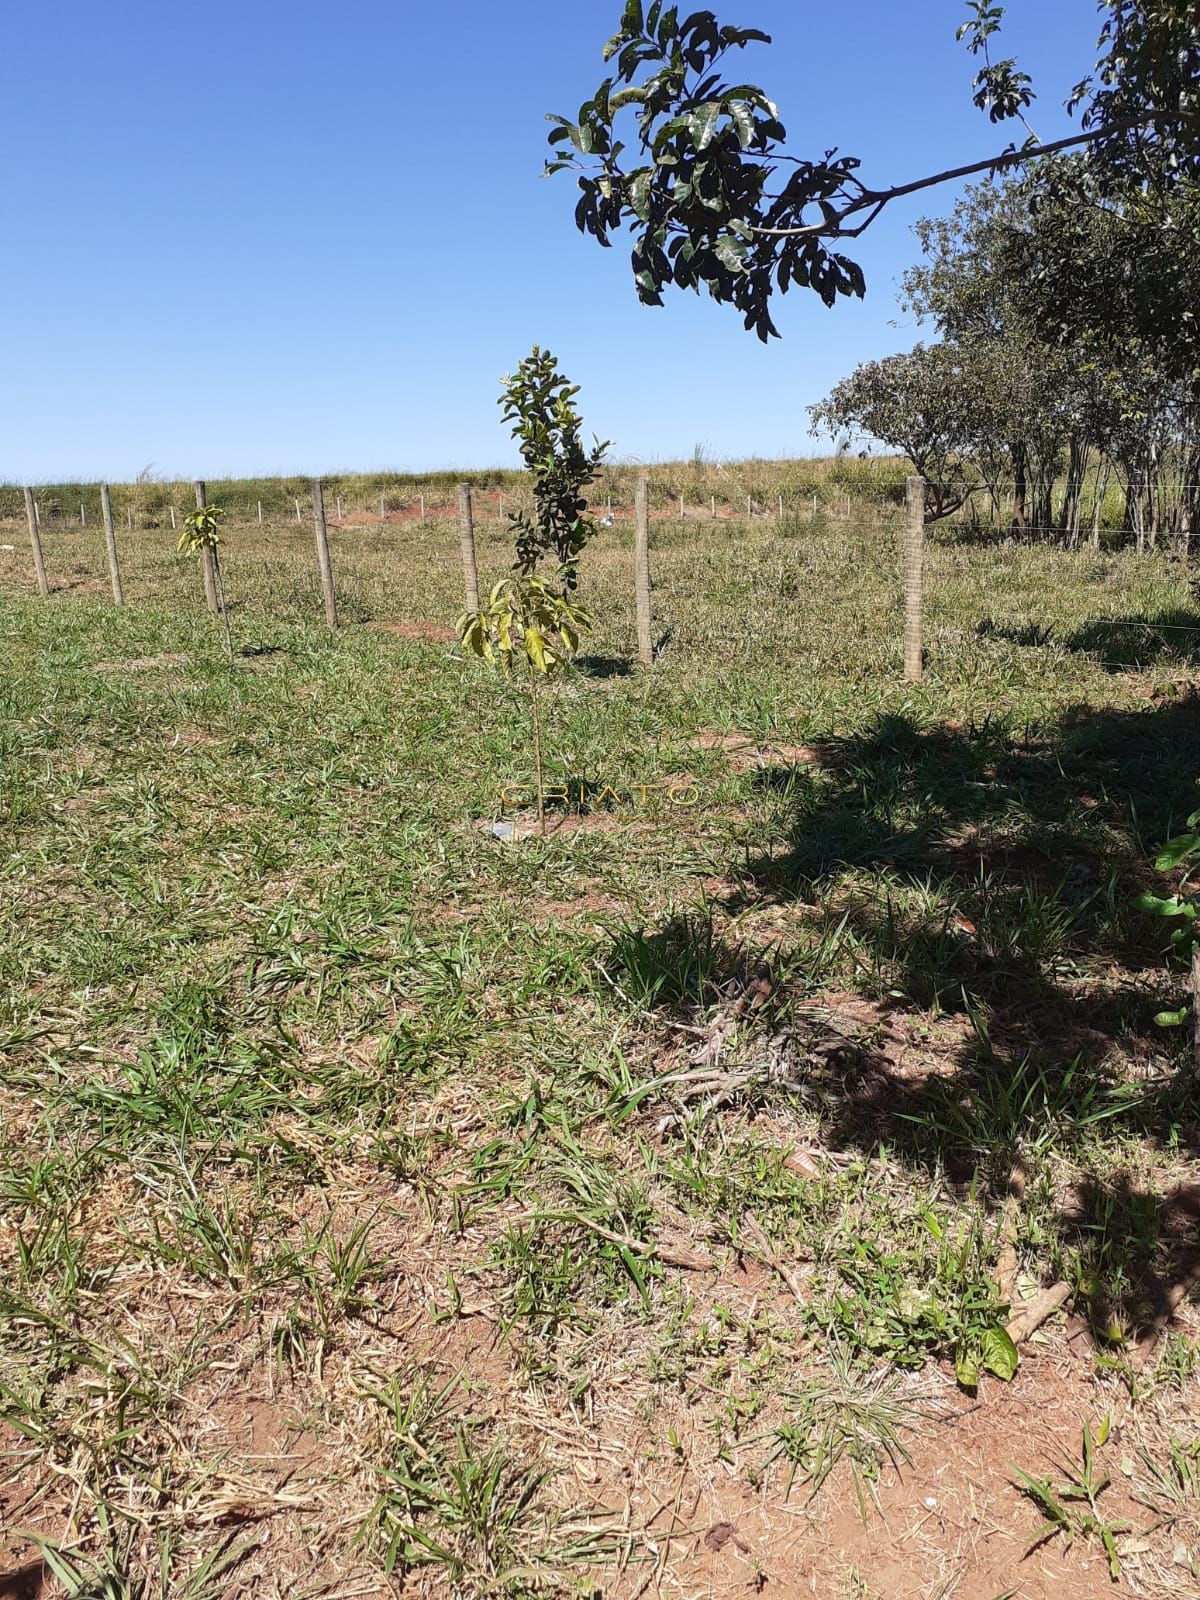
(641, 568)
(110, 545)
(466, 539)
(914, 579)
(323, 561)
(35, 544)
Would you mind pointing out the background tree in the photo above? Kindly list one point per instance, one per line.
(927, 404)
(1029, 416)
(712, 198)
(1113, 281)
(1068, 348)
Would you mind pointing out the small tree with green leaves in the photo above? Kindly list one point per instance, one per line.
(201, 532)
(530, 624)
(533, 628)
(539, 402)
(1182, 910)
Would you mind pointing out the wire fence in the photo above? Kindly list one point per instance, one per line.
(413, 533)
(129, 531)
(134, 510)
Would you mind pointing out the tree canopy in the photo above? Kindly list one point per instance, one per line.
(1068, 343)
(712, 198)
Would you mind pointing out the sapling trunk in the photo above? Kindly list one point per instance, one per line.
(219, 585)
(535, 714)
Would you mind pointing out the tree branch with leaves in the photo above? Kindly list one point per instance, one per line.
(711, 197)
(539, 402)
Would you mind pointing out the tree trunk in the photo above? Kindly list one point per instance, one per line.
(1189, 494)
(535, 714)
(1076, 466)
(1020, 486)
(219, 587)
(1101, 495)
(1135, 507)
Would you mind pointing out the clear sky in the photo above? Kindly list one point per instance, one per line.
(280, 235)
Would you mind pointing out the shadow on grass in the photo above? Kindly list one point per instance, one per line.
(988, 872)
(1120, 644)
(605, 666)
(1032, 636)
(981, 535)
(683, 967)
(1139, 1252)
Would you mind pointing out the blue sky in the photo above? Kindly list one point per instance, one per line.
(277, 235)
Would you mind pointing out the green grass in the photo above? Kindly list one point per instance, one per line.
(845, 1417)
(308, 1081)
(1071, 1507)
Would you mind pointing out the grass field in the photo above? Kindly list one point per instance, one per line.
(389, 1208)
(721, 485)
